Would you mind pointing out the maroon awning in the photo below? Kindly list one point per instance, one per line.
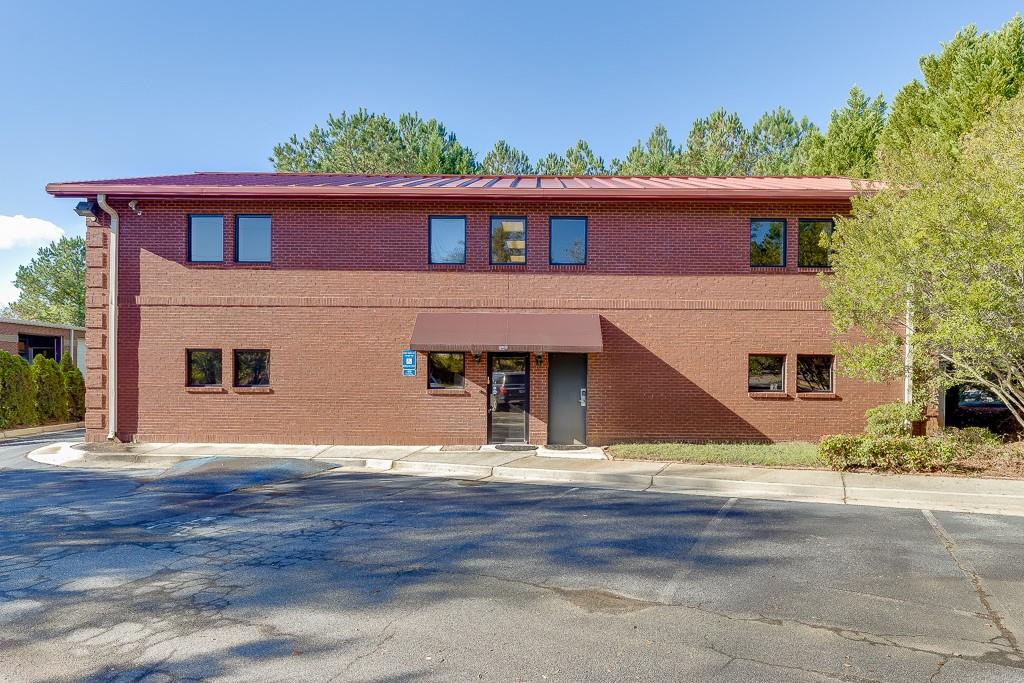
(531, 332)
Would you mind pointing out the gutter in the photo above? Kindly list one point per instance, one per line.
(101, 199)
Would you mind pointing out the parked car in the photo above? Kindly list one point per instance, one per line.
(508, 389)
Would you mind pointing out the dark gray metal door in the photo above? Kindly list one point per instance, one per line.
(567, 398)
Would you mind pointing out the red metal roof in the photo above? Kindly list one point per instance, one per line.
(323, 185)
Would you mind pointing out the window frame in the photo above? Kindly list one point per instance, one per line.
(189, 240)
(828, 252)
(460, 387)
(785, 239)
(784, 388)
(586, 239)
(831, 373)
(234, 368)
(270, 256)
(430, 240)
(188, 367)
(490, 240)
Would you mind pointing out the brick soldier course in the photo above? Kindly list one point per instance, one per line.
(680, 307)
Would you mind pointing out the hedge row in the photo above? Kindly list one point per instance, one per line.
(39, 393)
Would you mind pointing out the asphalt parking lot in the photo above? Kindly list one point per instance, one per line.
(130, 575)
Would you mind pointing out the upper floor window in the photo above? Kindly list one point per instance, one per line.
(204, 367)
(447, 239)
(814, 374)
(768, 242)
(205, 238)
(815, 243)
(568, 241)
(766, 373)
(508, 239)
(252, 239)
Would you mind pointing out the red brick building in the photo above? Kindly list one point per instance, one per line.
(31, 338)
(414, 310)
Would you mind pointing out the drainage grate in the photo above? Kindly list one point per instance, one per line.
(514, 447)
(460, 448)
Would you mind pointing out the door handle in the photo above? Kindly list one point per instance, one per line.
(583, 398)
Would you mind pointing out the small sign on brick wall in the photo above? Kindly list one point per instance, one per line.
(408, 363)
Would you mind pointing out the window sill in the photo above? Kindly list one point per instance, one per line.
(255, 265)
(254, 390)
(814, 269)
(446, 266)
(205, 264)
(818, 395)
(568, 266)
(770, 395)
(206, 390)
(768, 269)
(447, 392)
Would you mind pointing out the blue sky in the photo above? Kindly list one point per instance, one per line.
(99, 90)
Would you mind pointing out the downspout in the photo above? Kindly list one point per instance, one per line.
(101, 199)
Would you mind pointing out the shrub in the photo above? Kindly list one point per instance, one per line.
(892, 419)
(972, 437)
(17, 392)
(74, 386)
(51, 396)
(891, 453)
(841, 451)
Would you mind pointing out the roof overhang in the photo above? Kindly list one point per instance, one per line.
(497, 332)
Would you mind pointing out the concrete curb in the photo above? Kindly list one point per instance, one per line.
(952, 494)
(42, 429)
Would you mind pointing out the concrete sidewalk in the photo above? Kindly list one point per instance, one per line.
(955, 494)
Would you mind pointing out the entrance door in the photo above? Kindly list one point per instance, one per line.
(509, 397)
(567, 398)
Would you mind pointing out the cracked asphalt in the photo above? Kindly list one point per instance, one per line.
(262, 570)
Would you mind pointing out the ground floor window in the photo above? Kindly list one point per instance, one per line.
(766, 372)
(814, 374)
(446, 370)
(252, 367)
(204, 367)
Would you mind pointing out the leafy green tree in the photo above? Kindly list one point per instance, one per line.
(973, 73)
(365, 142)
(504, 159)
(659, 156)
(937, 253)
(848, 146)
(52, 285)
(773, 141)
(579, 160)
(718, 146)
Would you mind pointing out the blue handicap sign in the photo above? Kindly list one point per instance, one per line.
(408, 363)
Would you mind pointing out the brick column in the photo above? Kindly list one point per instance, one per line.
(97, 239)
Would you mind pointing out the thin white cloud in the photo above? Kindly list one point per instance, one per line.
(23, 231)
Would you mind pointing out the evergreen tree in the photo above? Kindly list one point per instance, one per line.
(504, 159)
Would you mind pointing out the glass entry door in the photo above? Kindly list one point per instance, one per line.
(508, 397)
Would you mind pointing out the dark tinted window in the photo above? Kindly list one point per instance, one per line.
(766, 373)
(815, 238)
(768, 243)
(447, 239)
(252, 368)
(814, 373)
(204, 367)
(252, 239)
(205, 239)
(508, 240)
(568, 240)
(446, 370)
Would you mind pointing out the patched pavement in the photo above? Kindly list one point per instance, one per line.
(264, 570)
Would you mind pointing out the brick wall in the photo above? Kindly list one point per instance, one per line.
(680, 307)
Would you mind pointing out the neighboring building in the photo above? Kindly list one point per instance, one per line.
(309, 308)
(31, 338)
